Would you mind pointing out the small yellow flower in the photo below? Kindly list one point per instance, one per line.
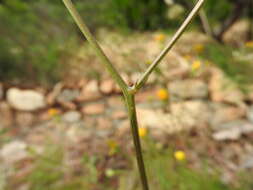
(143, 132)
(198, 48)
(163, 94)
(196, 65)
(113, 147)
(160, 37)
(249, 44)
(179, 155)
(53, 112)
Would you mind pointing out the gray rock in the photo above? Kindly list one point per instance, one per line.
(188, 89)
(25, 100)
(233, 130)
(223, 113)
(68, 95)
(71, 117)
(13, 152)
(183, 116)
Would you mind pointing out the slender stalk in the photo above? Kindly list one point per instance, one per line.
(205, 22)
(130, 101)
(174, 39)
(104, 59)
(129, 92)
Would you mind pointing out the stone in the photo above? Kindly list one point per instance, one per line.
(119, 114)
(68, 105)
(6, 115)
(13, 152)
(71, 117)
(188, 89)
(233, 130)
(223, 89)
(183, 116)
(107, 86)
(116, 102)
(94, 109)
(77, 134)
(25, 100)
(25, 119)
(68, 95)
(223, 113)
(192, 113)
(104, 123)
(238, 32)
(89, 92)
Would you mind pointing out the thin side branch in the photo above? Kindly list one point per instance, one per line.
(205, 22)
(177, 35)
(104, 59)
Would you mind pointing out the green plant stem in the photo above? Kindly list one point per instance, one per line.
(129, 92)
(205, 22)
(174, 39)
(130, 102)
(98, 50)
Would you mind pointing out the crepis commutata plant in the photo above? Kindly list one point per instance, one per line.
(130, 91)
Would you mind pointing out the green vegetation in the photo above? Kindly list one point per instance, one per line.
(36, 35)
(140, 15)
(165, 172)
(225, 57)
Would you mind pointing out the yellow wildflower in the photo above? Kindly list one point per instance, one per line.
(249, 44)
(179, 155)
(53, 112)
(142, 132)
(196, 65)
(198, 48)
(163, 94)
(160, 37)
(113, 147)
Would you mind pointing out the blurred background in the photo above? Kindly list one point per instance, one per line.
(63, 124)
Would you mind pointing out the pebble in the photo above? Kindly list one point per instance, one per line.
(107, 86)
(14, 151)
(71, 116)
(188, 89)
(25, 100)
(94, 109)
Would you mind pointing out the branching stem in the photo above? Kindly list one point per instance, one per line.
(129, 92)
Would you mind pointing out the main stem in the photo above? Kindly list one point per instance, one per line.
(130, 101)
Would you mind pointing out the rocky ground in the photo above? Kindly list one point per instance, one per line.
(194, 100)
